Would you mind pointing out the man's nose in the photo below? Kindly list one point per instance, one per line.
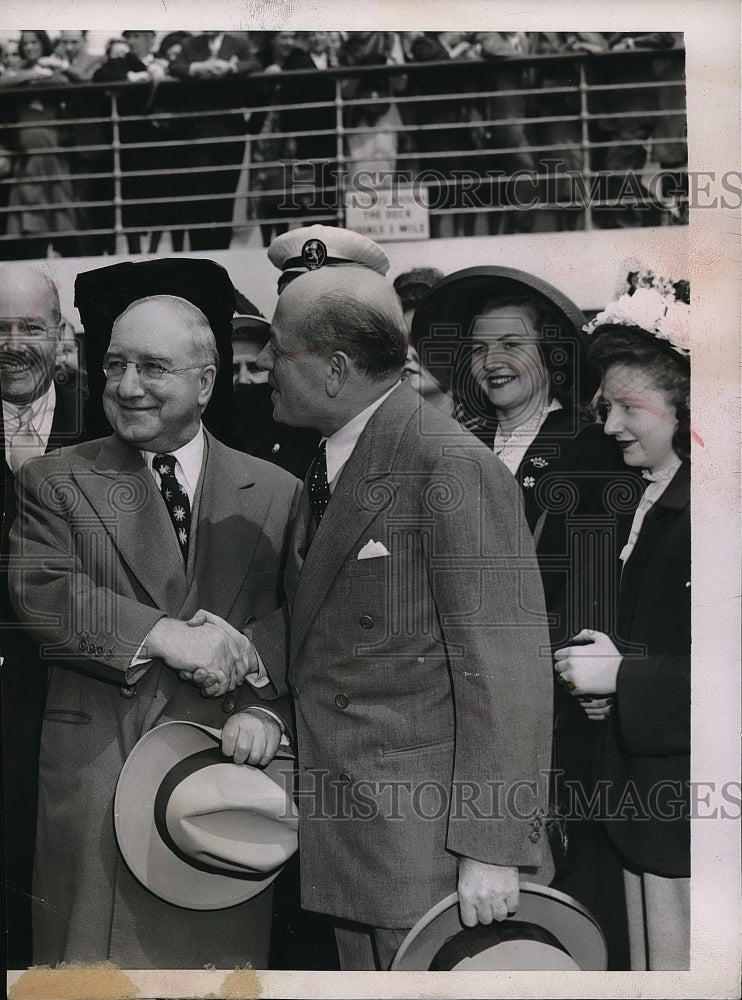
(130, 383)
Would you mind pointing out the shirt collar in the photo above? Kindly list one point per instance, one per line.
(39, 407)
(188, 459)
(340, 445)
(665, 473)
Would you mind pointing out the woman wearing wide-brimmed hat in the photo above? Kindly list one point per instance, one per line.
(508, 347)
(633, 677)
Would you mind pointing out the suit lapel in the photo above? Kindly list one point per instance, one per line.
(232, 511)
(125, 496)
(351, 509)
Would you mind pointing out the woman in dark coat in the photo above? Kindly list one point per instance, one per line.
(508, 347)
(633, 678)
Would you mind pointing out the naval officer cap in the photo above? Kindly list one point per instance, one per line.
(312, 247)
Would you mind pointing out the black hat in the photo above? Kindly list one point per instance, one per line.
(103, 294)
(443, 320)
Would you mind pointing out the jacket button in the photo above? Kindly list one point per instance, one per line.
(128, 692)
(109, 654)
(366, 621)
(345, 778)
(342, 700)
(228, 703)
(83, 645)
(294, 690)
(99, 650)
(91, 647)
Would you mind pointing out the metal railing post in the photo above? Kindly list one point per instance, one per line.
(118, 224)
(585, 144)
(339, 153)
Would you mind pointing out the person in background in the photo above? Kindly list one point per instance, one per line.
(172, 213)
(138, 65)
(80, 63)
(268, 177)
(632, 678)
(42, 201)
(85, 160)
(412, 287)
(255, 432)
(39, 414)
(517, 376)
(207, 59)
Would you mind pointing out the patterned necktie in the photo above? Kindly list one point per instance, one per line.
(319, 491)
(24, 443)
(176, 500)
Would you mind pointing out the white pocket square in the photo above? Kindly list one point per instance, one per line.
(373, 550)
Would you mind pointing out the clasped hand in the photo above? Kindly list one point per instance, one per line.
(206, 650)
(590, 668)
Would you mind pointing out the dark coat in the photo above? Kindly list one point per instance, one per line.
(23, 687)
(648, 741)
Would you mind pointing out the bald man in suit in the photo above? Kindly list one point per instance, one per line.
(413, 639)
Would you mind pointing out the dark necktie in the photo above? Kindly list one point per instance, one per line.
(319, 491)
(176, 500)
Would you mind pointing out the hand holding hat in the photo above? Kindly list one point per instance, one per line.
(196, 830)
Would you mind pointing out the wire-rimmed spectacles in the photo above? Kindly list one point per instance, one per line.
(148, 371)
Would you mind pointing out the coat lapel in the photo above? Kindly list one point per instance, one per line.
(351, 509)
(125, 496)
(232, 511)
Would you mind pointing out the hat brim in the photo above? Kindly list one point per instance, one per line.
(574, 927)
(150, 860)
(443, 320)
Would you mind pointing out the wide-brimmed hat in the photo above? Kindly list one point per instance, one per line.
(443, 320)
(196, 829)
(551, 932)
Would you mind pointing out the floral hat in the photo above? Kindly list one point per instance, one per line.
(658, 306)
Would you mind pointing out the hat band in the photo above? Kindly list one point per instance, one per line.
(471, 941)
(182, 770)
(296, 266)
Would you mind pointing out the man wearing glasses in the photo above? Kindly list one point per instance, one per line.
(124, 538)
(38, 414)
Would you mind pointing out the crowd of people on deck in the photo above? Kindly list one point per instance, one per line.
(483, 583)
(490, 107)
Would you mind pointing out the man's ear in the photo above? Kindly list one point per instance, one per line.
(338, 371)
(207, 378)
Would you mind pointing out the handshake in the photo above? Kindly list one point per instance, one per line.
(206, 650)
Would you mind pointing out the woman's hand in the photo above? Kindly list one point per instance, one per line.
(591, 666)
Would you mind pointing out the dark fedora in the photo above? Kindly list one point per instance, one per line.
(551, 932)
(101, 295)
(443, 320)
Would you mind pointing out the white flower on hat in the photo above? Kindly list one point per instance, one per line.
(649, 302)
(674, 326)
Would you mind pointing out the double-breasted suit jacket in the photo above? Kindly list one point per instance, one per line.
(421, 678)
(94, 564)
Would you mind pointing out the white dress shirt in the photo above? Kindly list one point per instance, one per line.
(41, 414)
(188, 461)
(341, 444)
(659, 480)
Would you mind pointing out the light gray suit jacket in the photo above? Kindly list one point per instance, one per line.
(94, 564)
(422, 679)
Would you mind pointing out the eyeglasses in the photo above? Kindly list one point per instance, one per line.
(148, 371)
(25, 327)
